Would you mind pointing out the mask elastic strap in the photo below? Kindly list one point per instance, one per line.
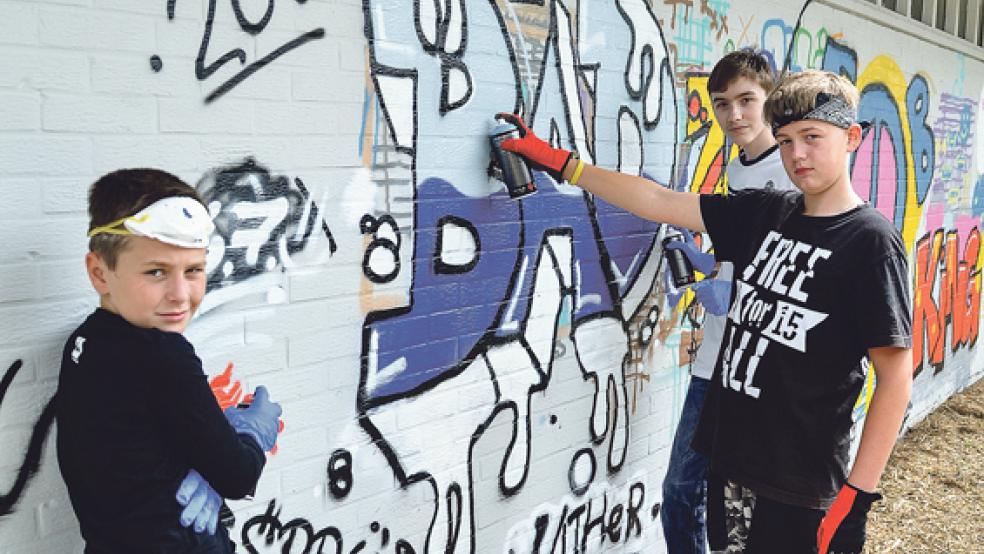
(112, 228)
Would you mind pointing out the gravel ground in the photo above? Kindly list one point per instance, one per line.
(934, 484)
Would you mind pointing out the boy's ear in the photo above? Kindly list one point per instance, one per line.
(96, 268)
(853, 137)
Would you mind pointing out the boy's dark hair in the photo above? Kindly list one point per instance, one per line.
(752, 64)
(123, 193)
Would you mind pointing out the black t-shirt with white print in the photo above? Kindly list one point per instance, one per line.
(811, 296)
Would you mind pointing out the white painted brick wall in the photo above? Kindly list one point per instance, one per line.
(78, 98)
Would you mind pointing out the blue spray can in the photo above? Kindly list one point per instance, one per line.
(515, 173)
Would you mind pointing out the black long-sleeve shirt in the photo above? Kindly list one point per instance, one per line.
(135, 413)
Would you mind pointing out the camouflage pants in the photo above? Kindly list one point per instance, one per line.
(739, 503)
(779, 527)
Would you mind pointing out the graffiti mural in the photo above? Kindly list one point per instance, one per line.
(207, 63)
(893, 167)
(562, 246)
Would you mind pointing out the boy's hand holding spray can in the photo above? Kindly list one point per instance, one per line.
(515, 173)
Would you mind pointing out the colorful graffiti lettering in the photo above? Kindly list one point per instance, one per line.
(946, 296)
(953, 177)
(704, 172)
(696, 31)
(893, 167)
(806, 49)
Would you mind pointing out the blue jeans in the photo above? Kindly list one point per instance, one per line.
(685, 484)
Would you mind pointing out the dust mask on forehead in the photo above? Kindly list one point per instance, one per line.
(178, 220)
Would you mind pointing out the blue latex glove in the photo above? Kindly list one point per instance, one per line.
(201, 503)
(259, 420)
(714, 294)
(701, 261)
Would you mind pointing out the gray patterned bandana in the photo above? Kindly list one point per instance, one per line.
(828, 107)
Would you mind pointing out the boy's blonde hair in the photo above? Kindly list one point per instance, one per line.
(797, 94)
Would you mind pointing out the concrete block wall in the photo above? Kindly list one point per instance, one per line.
(458, 371)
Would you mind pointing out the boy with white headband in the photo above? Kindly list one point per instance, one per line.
(820, 282)
(141, 439)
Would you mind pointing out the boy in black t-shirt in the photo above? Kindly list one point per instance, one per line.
(141, 439)
(820, 282)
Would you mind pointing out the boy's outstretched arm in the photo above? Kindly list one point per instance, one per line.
(893, 386)
(646, 199)
(843, 527)
(643, 197)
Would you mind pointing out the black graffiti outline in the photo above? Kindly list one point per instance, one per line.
(624, 110)
(375, 70)
(246, 24)
(440, 266)
(203, 72)
(272, 528)
(545, 372)
(480, 349)
(269, 526)
(646, 80)
(591, 87)
(613, 530)
(792, 39)
(449, 60)
(225, 185)
(369, 225)
(553, 39)
(449, 63)
(576, 488)
(340, 462)
(35, 446)
(312, 217)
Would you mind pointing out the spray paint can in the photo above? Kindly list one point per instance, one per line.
(680, 266)
(515, 173)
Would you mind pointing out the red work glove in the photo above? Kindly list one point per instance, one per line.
(537, 153)
(842, 529)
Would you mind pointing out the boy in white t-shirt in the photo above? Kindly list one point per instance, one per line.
(738, 85)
